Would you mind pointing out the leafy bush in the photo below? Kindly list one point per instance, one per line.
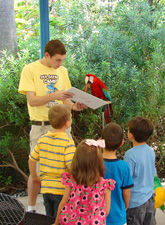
(14, 117)
(119, 47)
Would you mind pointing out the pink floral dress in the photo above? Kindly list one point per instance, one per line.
(86, 204)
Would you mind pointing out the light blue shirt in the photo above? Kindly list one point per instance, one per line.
(141, 160)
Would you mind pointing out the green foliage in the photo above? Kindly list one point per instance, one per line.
(14, 119)
(123, 47)
(88, 126)
(5, 180)
(13, 105)
(27, 18)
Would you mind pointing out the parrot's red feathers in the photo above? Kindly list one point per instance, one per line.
(108, 113)
(100, 90)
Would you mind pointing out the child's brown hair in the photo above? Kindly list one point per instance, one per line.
(141, 128)
(58, 115)
(113, 136)
(87, 164)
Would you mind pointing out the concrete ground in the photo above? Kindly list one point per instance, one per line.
(160, 216)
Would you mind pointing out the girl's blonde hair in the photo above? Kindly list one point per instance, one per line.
(87, 165)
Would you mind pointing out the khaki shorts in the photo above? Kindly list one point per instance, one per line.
(36, 132)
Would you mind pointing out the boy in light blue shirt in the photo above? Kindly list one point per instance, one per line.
(141, 159)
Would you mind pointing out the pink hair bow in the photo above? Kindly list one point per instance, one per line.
(98, 143)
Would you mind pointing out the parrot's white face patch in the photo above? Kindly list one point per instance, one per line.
(91, 79)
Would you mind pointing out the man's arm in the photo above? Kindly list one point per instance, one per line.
(126, 197)
(63, 96)
(34, 100)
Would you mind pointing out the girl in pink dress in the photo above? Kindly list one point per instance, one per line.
(87, 195)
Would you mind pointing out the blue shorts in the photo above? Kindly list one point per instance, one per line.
(51, 203)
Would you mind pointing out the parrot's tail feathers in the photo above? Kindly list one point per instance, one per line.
(108, 112)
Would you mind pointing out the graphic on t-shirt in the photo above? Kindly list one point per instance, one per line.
(50, 80)
(51, 88)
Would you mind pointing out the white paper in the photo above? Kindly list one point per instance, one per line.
(83, 97)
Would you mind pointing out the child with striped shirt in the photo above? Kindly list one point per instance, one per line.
(54, 151)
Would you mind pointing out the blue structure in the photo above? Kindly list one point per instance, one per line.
(44, 24)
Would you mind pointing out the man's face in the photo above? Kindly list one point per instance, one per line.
(55, 61)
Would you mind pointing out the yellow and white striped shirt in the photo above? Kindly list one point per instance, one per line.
(54, 151)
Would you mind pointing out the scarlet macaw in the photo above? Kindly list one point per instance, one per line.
(100, 90)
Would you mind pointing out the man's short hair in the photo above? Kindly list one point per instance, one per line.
(113, 136)
(141, 128)
(54, 47)
(58, 115)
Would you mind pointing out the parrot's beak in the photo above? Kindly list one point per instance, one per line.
(86, 86)
(86, 81)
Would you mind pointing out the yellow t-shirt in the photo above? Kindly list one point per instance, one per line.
(54, 151)
(42, 80)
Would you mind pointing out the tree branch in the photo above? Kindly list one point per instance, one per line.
(15, 166)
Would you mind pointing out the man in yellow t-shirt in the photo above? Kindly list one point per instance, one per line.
(44, 82)
(55, 151)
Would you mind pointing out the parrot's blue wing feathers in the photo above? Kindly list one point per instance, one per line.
(107, 95)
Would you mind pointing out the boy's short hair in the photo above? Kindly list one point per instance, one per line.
(141, 128)
(58, 115)
(113, 136)
(54, 47)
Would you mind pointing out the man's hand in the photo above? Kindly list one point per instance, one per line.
(62, 95)
(79, 106)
